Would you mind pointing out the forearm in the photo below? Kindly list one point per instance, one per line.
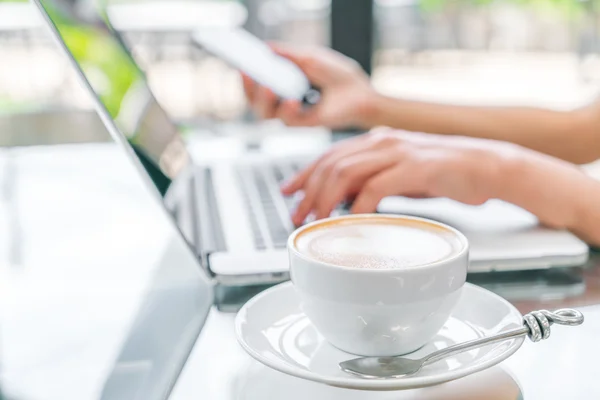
(571, 136)
(558, 193)
(587, 223)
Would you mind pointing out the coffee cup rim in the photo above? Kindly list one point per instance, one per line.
(432, 265)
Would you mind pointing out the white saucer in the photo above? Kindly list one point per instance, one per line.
(272, 328)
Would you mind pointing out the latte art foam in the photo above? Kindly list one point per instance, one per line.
(377, 243)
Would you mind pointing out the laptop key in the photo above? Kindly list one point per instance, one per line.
(276, 227)
(296, 167)
(279, 174)
(339, 212)
(259, 240)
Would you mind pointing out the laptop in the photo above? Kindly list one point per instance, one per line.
(231, 212)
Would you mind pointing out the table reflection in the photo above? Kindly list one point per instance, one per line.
(260, 382)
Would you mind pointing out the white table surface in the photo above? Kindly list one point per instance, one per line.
(564, 367)
(82, 223)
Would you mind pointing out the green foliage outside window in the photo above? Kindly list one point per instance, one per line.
(99, 52)
(566, 8)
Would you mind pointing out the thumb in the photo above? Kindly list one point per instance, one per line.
(311, 61)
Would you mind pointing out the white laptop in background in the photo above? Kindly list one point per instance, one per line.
(232, 212)
(501, 235)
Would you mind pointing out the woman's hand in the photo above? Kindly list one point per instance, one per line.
(346, 92)
(387, 162)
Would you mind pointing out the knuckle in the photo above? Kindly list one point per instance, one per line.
(343, 171)
(317, 166)
(384, 137)
(310, 187)
(327, 168)
(388, 140)
(355, 66)
(403, 152)
(329, 153)
(376, 132)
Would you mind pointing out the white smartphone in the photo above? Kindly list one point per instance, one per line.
(245, 52)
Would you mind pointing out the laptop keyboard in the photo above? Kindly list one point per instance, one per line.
(278, 229)
(269, 211)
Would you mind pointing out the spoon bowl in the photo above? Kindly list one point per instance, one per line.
(382, 367)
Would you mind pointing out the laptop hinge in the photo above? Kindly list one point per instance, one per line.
(210, 236)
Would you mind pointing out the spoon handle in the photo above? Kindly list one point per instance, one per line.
(536, 325)
(473, 344)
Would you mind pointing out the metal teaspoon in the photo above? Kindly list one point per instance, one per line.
(536, 325)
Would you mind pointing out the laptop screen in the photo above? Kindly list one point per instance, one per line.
(121, 87)
(122, 324)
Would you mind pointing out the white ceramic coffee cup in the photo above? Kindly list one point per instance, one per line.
(378, 312)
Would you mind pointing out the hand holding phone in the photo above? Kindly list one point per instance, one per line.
(257, 60)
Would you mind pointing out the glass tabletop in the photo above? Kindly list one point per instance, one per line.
(79, 243)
